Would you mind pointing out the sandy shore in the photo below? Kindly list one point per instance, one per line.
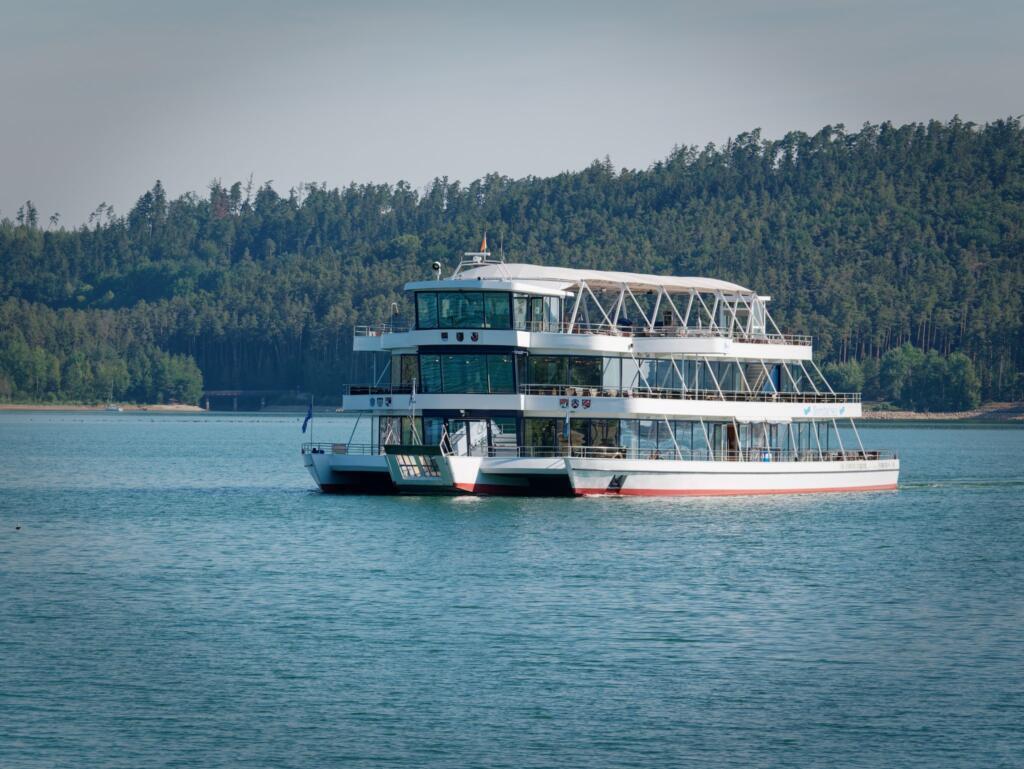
(988, 412)
(163, 407)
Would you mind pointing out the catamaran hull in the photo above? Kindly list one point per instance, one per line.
(572, 476)
(668, 478)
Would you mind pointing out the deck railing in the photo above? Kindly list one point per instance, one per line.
(341, 448)
(632, 453)
(689, 394)
(669, 393)
(604, 329)
(699, 455)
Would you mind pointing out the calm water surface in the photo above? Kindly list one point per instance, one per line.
(178, 596)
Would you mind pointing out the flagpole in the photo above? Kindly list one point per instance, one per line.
(312, 398)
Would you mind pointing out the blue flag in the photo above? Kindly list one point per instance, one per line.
(309, 415)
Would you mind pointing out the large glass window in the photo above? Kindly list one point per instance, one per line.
(499, 374)
(666, 442)
(667, 375)
(426, 309)
(552, 314)
(537, 313)
(403, 369)
(520, 306)
(387, 429)
(433, 429)
(468, 437)
(503, 436)
(585, 371)
(430, 370)
(629, 435)
(604, 432)
(687, 439)
(648, 437)
(497, 311)
(460, 309)
(542, 435)
(464, 373)
(548, 369)
(610, 373)
(630, 373)
(412, 430)
(579, 432)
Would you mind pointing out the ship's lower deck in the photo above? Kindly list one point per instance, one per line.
(427, 470)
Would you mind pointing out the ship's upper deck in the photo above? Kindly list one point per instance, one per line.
(598, 310)
(545, 280)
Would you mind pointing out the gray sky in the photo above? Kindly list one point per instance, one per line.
(102, 97)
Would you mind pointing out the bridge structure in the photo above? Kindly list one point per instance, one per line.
(251, 400)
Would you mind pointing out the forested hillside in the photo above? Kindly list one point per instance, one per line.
(872, 240)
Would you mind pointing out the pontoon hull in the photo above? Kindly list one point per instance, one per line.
(568, 476)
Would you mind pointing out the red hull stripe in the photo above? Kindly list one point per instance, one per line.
(727, 492)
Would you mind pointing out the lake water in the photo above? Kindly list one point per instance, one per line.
(178, 595)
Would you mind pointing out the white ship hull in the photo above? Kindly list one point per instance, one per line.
(670, 478)
(592, 476)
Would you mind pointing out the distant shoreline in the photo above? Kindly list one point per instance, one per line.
(162, 407)
(987, 412)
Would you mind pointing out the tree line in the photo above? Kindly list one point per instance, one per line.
(872, 241)
(911, 378)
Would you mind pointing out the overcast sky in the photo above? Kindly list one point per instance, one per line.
(102, 97)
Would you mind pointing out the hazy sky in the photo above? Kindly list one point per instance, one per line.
(102, 97)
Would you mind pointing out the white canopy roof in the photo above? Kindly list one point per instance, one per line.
(567, 277)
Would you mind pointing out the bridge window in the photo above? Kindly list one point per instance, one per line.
(520, 311)
(497, 313)
(426, 309)
(461, 309)
(544, 313)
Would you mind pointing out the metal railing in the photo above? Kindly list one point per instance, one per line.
(669, 393)
(398, 389)
(634, 453)
(379, 329)
(625, 330)
(341, 448)
(670, 453)
(688, 394)
(680, 332)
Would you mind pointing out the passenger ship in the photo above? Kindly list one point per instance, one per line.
(527, 379)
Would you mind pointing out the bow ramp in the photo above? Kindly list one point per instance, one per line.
(419, 468)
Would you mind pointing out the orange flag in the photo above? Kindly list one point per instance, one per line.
(483, 246)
